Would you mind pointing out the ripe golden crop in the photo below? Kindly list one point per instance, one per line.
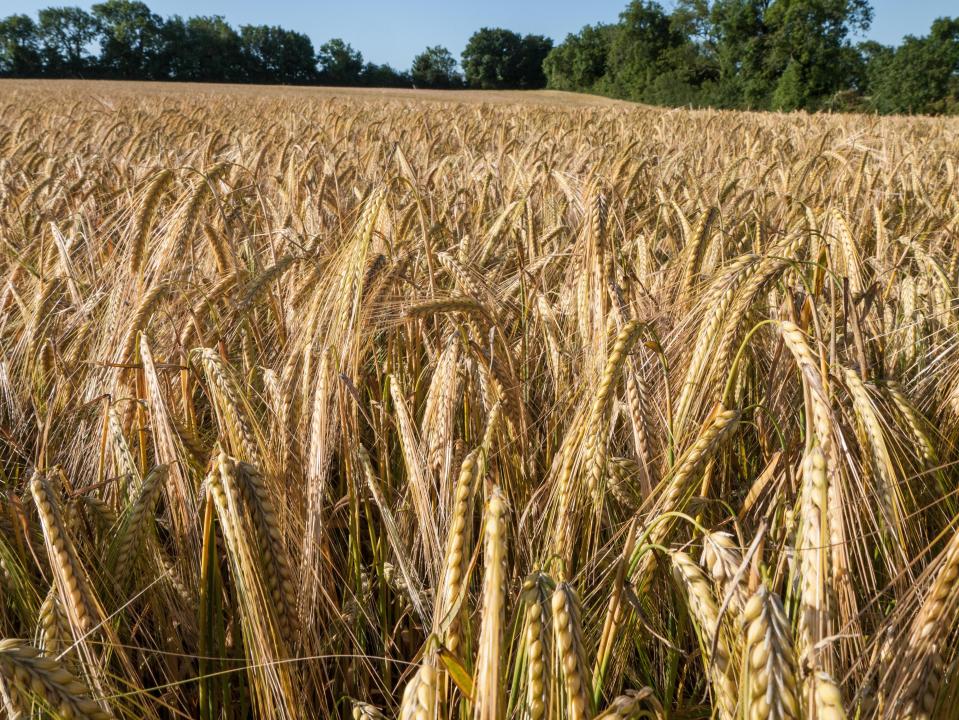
(321, 404)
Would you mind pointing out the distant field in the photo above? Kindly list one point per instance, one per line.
(324, 402)
(118, 88)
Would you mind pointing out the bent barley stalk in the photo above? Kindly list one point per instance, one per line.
(705, 614)
(723, 561)
(629, 706)
(28, 675)
(917, 673)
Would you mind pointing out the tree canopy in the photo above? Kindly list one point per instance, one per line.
(272, 54)
(435, 67)
(339, 63)
(124, 39)
(496, 58)
(19, 49)
(65, 35)
(922, 75)
(760, 54)
(580, 61)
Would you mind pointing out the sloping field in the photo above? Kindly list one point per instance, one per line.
(348, 403)
(113, 89)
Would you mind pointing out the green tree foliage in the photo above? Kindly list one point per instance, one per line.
(743, 45)
(922, 76)
(274, 55)
(496, 58)
(339, 63)
(215, 51)
(385, 76)
(579, 62)
(490, 59)
(435, 67)
(808, 41)
(65, 34)
(640, 50)
(760, 54)
(135, 43)
(131, 39)
(19, 49)
(533, 52)
(874, 59)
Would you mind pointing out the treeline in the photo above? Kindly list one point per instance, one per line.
(760, 54)
(124, 39)
(746, 54)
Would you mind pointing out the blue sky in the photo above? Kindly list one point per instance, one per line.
(394, 31)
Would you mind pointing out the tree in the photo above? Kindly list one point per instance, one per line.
(808, 47)
(19, 47)
(435, 67)
(692, 19)
(638, 48)
(384, 76)
(874, 60)
(696, 59)
(535, 49)
(742, 47)
(65, 34)
(131, 38)
(172, 58)
(275, 55)
(491, 58)
(339, 63)
(212, 51)
(768, 53)
(579, 62)
(498, 58)
(923, 74)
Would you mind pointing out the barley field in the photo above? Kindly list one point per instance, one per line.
(491, 406)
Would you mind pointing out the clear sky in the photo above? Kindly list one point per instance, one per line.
(393, 31)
